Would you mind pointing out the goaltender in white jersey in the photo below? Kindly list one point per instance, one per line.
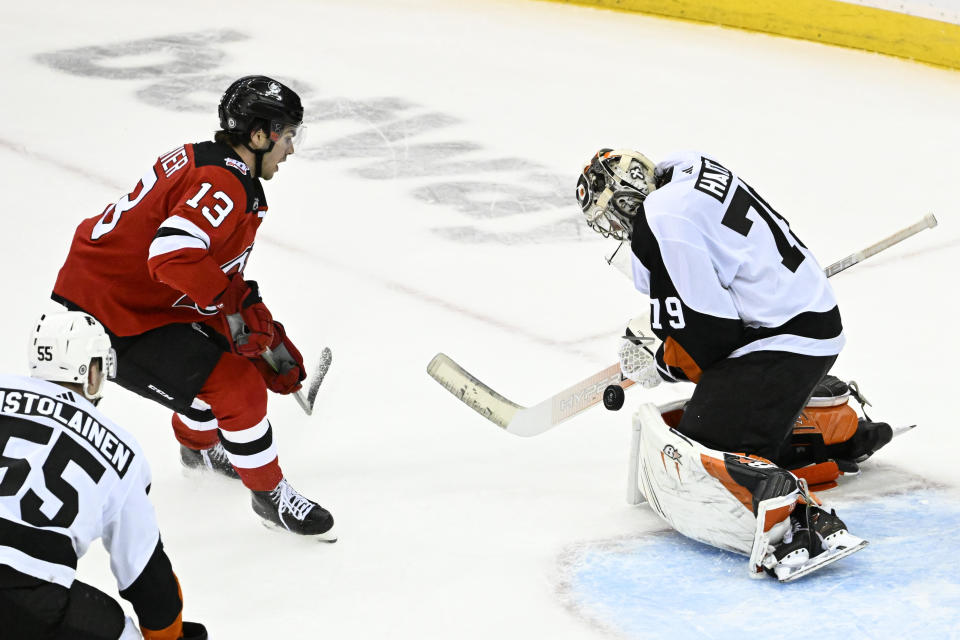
(740, 307)
(70, 475)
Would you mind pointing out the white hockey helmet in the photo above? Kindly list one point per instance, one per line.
(62, 346)
(611, 190)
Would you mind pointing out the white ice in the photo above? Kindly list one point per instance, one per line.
(451, 528)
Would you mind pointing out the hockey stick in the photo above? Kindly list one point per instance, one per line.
(514, 418)
(306, 400)
(928, 222)
(531, 421)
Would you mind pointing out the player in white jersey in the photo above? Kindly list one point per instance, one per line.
(69, 475)
(740, 307)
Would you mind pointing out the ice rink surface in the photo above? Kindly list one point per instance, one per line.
(432, 209)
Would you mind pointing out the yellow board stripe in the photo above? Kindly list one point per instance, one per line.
(826, 21)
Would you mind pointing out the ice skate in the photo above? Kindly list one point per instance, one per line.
(284, 508)
(213, 459)
(817, 539)
(792, 553)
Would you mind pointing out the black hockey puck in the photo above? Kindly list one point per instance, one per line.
(613, 397)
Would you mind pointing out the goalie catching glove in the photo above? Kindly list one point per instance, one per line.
(282, 367)
(636, 360)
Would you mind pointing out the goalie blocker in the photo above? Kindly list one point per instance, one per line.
(747, 504)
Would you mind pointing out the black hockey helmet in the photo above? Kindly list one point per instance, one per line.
(611, 190)
(259, 98)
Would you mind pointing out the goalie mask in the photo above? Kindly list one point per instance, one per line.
(64, 344)
(611, 191)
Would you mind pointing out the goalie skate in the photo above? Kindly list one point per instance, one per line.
(850, 545)
(813, 531)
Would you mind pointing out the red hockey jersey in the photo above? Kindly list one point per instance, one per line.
(161, 253)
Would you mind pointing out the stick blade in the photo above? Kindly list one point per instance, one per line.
(308, 399)
(326, 359)
(471, 391)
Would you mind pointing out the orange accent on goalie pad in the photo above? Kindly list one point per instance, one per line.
(835, 424)
(777, 515)
(672, 418)
(718, 469)
(816, 500)
(676, 356)
(820, 476)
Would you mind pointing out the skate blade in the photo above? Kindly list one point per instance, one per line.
(197, 473)
(819, 562)
(330, 535)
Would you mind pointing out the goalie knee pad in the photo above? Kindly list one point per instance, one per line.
(829, 438)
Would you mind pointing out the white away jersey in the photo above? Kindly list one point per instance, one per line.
(68, 475)
(725, 274)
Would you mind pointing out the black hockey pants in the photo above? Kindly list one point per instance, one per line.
(749, 404)
(33, 609)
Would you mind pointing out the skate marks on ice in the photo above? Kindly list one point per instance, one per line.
(505, 200)
(905, 584)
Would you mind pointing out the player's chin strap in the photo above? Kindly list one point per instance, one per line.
(259, 153)
(258, 156)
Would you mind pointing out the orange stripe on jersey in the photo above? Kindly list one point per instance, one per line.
(676, 356)
(718, 469)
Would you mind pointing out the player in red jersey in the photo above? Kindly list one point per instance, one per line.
(162, 270)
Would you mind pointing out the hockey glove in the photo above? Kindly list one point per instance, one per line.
(242, 297)
(636, 361)
(282, 368)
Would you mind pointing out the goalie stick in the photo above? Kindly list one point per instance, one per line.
(514, 418)
(929, 221)
(560, 407)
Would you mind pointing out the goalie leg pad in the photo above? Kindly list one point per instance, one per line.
(734, 502)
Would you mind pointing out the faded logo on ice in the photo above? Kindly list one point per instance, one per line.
(391, 139)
